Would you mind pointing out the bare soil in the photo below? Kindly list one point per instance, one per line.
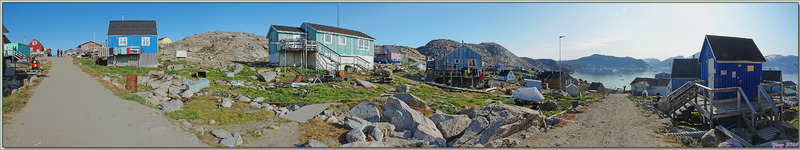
(613, 122)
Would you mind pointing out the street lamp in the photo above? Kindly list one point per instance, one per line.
(560, 85)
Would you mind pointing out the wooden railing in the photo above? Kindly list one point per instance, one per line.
(708, 97)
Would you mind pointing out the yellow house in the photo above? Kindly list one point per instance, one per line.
(164, 40)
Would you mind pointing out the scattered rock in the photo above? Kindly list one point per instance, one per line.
(355, 123)
(404, 118)
(332, 119)
(365, 84)
(187, 94)
(385, 127)
(789, 115)
(228, 142)
(412, 100)
(294, 108)
(160, 92)
(212, 122)
(267, 76)
(226, 102)
(450, 125)
(376, 134)
(267, 106)
(363, 144)
(229, 74)
(366, 111)
(314, 143)
(239, 140)
(172, 105)
(274, 127)
(220, 133)
(241, 97)
(156, 74)
(237, 68)
(549, 105)
(259, 99)
(710, 139)
(355, 135)
(184, 123)
(402, 88)
(198, 129)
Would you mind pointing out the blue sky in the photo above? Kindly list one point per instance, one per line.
(639, 30)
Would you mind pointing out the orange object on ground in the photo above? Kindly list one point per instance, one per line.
(298, 78)
(340, 73)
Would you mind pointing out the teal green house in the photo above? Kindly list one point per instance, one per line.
(320, 47)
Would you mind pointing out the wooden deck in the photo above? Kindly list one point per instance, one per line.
(728, 107)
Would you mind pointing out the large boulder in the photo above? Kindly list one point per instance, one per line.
(220, 133)
(412, 100)
(226, 102)
(401, 142)
(384, 72)
(366, 111)
(495, 121)
(450, 125)
(356, 135)
(365, 84)
(363, 144)
(404, 118)
(156, 74)
(267, 76)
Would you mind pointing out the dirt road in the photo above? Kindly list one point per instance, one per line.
(71, 109)
(614, 122)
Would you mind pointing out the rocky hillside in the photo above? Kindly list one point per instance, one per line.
(549, 65)
(221, 45)
(410, 51)
(492, 53)
(602, 64)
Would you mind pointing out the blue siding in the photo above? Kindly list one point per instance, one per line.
(747, 80)
(678, 82)
(135, 40)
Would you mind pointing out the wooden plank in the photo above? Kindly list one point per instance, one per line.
(767, 133)
(734, 136)
(724, 90)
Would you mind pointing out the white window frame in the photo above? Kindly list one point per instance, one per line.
(342, 40)
(145, 41)
(123, 41)
(327, 38)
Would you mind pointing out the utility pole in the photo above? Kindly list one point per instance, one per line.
(337, 14)
(560, 80)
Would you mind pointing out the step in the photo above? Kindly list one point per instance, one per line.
(767, 133)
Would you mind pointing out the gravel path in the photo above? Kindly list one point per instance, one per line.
(614, 122)
(71, 109)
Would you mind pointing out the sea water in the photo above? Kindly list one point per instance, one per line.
(614, 81)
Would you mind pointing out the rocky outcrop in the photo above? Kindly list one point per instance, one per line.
(366, 111)
(222, 45)
(450, 125)
(491, 52)
(403, 117)
(495, 121)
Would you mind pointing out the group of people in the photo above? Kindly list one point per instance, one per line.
(59, 53)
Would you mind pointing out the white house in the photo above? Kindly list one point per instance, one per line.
(506, 75)
(653, 86)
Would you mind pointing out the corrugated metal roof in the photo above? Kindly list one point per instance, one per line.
(595, 86)
(132, 27)
(727, 48)
(338, 30)
(288, 28)
(651, 81)
(685, 68)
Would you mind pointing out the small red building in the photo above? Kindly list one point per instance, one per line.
(36, 46)
(88, 46)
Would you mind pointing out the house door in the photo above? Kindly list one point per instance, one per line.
(711, 72)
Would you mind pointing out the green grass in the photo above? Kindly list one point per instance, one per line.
(206, 109)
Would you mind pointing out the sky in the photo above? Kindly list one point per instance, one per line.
(639, 30)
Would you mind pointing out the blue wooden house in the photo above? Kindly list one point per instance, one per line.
(461, 67)
(134, 42)
(731, 62)
(320, 47)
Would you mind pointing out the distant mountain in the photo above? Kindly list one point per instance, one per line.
(221, 45)
(604, 64)
(492, 53)
(409, 51)
(786, 63)
(549, 65)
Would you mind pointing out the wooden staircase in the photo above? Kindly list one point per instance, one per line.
(336, 58)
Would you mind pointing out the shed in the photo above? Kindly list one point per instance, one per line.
(573, 90)
(731, 62)
(554, 79)
(527, 94)
(533, 84)
(683, 70)
(597, 87)
(461, 67)
(506, 75)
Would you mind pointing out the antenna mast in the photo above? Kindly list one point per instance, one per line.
(337, 14)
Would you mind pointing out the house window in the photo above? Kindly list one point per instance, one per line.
(342, 40)
(295, 37)
(472, 62)
(456, 61)
(145, 41)
(363, 44)
(328, 38)
(123, 41)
